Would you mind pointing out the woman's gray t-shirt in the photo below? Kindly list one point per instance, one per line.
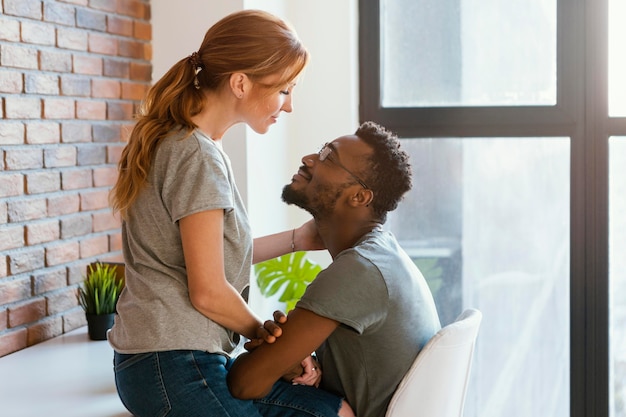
(188, 175)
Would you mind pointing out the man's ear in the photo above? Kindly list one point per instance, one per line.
(239, 84)
(362, 198)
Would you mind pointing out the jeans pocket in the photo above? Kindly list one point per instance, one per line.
(140, 384)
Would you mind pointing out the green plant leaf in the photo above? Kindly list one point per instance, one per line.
(291, 273)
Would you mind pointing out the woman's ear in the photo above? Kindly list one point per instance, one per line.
(238, 84)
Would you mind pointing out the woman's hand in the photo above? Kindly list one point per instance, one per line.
(311, 373)
(307, 237)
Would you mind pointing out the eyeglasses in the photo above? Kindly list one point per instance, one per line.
(324, 154)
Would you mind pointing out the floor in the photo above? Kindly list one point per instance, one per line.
(68, 376)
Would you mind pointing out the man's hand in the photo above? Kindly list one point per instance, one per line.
(268, 333)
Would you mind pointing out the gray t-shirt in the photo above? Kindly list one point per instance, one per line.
(155, 313)
(387, 314)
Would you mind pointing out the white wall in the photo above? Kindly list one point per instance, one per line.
(325, 99)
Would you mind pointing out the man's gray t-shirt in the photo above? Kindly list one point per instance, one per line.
(387, 314)
(155, 313)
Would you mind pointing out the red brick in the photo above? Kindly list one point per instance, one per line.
(61, 253)
(76, 179)
(38, 33)
(44, 330)
(75, 132)
(50, 280)
(20, 107)
(73, 319)
(120, 25)
(9, 29)
(62, 14)
(26, 209)
(4, 319)
(42, 232)
(23, 8)
(94, 246)
(77, 2)
(91, 155)
(58, 108)
(91, 19)
(43, 182)
(43, 132)
(120, 111)
(39, 83)
(106, 5)
(4, 219)
(11, 133)
(11, 82)
(114, 153)
(61, 300)
(94, 200)
(115, 242)
(11, 184)
(13, 290)
(133, 91)
(85, 64)
(12, 341)
(55, 60)
(131, 49)
(23, 158)
(106, 132)
(18, 56)
(77, 225)
(116, 68)
(105, 221)
(12, 238)
(63, 204)
(27, 312)
(102, 88)
(105, 176)
(60, 156)
(74, 39)
(75, 85)
(140, 71)
(143, 30)
(134, 9)
(91, 110)
(102, 44)
(76, 273)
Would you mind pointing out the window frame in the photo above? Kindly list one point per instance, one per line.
(580, 113)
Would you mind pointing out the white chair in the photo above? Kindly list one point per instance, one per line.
(436, 383)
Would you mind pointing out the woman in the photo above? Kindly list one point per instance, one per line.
(186, 239)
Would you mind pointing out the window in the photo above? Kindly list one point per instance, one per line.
(513, 113)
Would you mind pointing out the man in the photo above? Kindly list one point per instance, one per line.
(370, 312)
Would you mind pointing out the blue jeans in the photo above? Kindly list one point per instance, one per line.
(191, 383)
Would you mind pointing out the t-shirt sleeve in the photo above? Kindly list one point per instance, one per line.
(351, 290)
(201, 182)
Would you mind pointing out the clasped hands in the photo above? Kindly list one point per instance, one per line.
(308, 372)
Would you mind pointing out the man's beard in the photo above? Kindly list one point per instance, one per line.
(291, 196)
(322, 205)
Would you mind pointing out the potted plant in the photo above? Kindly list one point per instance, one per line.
(98, 297)
(292, 273)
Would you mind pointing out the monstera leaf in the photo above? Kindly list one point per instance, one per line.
(290, 273)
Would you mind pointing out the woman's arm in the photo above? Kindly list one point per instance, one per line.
(210, 293)
(301, 238)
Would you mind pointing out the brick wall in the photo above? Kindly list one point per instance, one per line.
(71, 75)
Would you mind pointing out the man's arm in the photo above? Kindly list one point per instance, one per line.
(254, 373)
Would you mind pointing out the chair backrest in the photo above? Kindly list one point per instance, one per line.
(436, 383)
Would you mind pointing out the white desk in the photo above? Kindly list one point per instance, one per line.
(68, 376)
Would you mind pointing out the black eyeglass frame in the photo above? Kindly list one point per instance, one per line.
(324, 154)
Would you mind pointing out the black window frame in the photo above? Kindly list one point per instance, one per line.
(580, 113)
